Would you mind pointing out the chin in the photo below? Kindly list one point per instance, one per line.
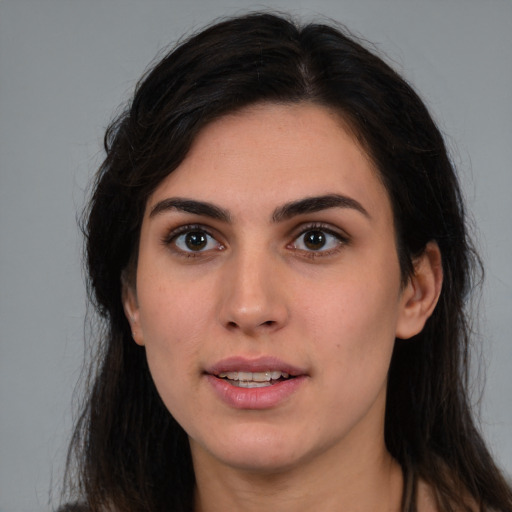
(263, 463)
(256, 451)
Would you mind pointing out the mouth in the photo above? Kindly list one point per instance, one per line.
(264, 379)
(245, 383)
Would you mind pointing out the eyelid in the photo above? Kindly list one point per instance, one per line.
(321, 226)
(343, 238)
(169, 238)
(171, 234)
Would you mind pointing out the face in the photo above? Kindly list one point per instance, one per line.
(268, 292)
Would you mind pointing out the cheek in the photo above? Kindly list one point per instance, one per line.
(173, 322)
(353, 337)
(353, 331)
(173, 309)
(359, 306)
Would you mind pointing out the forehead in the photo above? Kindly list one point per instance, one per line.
(269, 154)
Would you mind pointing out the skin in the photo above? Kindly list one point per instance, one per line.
(256, 289)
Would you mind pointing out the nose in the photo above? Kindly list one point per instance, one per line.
(253, 294)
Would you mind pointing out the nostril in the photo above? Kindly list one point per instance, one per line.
(234, 325)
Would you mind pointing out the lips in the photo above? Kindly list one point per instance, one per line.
(254, 379)
(259, 383)
(258, 365)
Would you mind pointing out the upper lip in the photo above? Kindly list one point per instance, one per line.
(259, 364)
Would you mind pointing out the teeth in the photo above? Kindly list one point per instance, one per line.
(254, 377)
(247, 376)
(253, 384)
(275, 375)
(229, 375)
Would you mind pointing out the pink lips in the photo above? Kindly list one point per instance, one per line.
(254, 398)
(261, 364)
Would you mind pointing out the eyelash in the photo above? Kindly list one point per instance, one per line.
(342, 240)
(170, 240)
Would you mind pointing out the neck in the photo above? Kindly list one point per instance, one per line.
(365, 481)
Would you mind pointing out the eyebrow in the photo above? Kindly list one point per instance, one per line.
(285, 212)
(316, 204)
(191, 206)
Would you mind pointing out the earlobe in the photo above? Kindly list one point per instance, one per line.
(132, 312)
(420, 296)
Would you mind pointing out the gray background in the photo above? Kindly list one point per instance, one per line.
(64, 68)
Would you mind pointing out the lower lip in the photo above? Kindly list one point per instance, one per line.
(255, 398)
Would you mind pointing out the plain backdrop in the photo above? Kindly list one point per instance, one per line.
(65, 67)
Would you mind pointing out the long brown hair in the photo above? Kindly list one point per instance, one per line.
(130, 453)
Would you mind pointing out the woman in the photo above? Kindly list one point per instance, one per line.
(276, 245)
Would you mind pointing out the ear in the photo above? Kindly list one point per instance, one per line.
(132, 311)
(420, 295)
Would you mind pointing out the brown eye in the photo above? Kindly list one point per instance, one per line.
(314, 240)
(320, 240)
(196, 240)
